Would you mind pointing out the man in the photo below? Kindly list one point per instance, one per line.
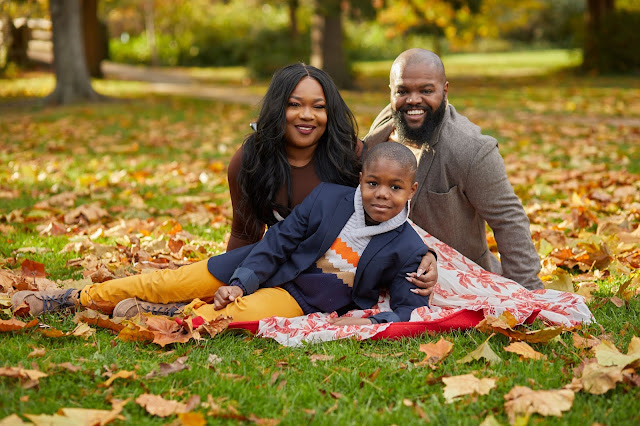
(461, 176)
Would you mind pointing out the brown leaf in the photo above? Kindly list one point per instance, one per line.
(492, 324)
(262, 421)
(524, 400)
(524, 350)
(580, 342)
(31, 268)
(597, 379)
(85, 214)
(166, 368)
(70, 367)
(7, 280)
(216, 326)
(158, 406)
(21, 373)
(466, 384)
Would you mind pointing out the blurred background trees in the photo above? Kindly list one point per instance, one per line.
(332, 34)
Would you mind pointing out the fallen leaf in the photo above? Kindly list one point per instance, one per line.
(607, 354)
(192, 419)
(31, 268)
(319, 357)
(214, 359)
(13, 420)
(15, 324)
(37, 352)
(524, 400)
(597, 379)
(466, 384)
(482, 351)
(435, 352)
(122, 374)
(262, 421)
(83, 330)
(158, 406)
(524, 350)
(166, 368)
(22, 373)
(492, 324)
(92, 317)
(580, 342)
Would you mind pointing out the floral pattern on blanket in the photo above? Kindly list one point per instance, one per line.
(462, 285)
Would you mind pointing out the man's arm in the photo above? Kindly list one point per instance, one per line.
(402, 298)
(490, 192)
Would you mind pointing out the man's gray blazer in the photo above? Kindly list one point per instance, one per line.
(462, 186)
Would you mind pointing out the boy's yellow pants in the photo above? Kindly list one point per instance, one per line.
(184, 285)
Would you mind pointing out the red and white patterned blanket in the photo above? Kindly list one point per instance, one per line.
(463, 287)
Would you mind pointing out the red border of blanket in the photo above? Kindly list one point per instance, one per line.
(457, 321)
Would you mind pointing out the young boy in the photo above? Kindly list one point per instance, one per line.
(334, 252)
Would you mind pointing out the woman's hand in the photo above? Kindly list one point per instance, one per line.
(349, 321)
(426, 277)
(225, 295)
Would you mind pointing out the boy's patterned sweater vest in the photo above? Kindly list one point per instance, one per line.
(327, 285)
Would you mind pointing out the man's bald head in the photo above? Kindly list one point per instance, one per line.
(417, 56)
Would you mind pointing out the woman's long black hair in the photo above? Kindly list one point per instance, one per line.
(265, 167)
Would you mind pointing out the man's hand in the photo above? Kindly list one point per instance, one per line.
(349, 321)
(426, 276)
(225, 295)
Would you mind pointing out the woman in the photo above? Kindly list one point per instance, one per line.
(278, 166)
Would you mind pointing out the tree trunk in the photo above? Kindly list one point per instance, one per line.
(72, 78)
(293, 20)
(596, 11)
(327, 51)
(94, 37)
(149, 19)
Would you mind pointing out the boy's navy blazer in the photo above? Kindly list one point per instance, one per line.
(291, 246)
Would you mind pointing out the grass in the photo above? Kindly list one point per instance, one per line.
(155, 159)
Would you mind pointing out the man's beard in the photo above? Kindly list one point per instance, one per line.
(422, 135)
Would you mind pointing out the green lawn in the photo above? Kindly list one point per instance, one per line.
(571, 146)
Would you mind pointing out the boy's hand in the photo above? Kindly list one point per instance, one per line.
(426, 277)
(349, 321)
(225, 295)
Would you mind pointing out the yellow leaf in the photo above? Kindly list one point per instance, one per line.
(122, 374)
(83, 330)
(13, 420)
(524, 400)
(524, 350)
(562, 281)
(607, 353)
(466, 384)
(482, 351)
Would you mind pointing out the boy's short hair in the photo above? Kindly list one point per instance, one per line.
(393, 151)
